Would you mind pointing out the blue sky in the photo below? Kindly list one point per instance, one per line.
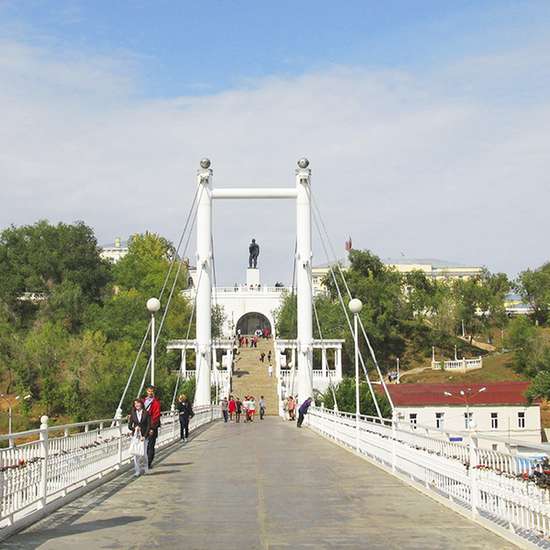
(426, 122)
(205, 47)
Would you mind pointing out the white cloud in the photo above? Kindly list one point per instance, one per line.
(401, 161)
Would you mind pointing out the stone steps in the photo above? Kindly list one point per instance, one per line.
(251, 377)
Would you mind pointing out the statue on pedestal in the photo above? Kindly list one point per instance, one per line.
(253, 253)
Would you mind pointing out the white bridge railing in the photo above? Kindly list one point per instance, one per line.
(55, 464)
(500, 490)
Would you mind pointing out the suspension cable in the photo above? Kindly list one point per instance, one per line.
(142, 345)
(339, 267)
(187, 338)
(167, 307)
(341, 300)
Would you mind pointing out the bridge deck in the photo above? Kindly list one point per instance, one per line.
(265, 485)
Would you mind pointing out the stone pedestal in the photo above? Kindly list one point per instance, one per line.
(252, 277)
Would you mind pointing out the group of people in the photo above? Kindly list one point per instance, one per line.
(233, 408)
(144, 424)
(290, 404)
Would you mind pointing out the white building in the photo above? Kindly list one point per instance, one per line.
(438, 270)
(115, 251)
(245, 306)
(497, 409)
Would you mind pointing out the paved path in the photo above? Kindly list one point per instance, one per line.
(262, 486)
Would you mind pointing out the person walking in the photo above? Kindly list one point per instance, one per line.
(139, 423)
(261, 403)
(232, 407)
(238, 409)
(291, 406)
(270, 371)
(152, 406)
(285, 408)
(302, 411)
(185, 411)
(251, 408)
(225, 409)
(269, 357)
(246, 404)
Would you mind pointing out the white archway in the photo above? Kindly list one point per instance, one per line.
(301, 193)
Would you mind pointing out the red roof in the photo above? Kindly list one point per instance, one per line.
(495, 393)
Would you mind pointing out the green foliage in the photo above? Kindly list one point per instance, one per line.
(345, 397)
(40, 257)
(531, 351)
(534, 288)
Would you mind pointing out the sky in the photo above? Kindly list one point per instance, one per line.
(425, 123)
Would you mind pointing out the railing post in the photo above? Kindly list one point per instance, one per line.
(393, 443)
(118, 417)
(173, 411)
(474, 492)
(44, 468)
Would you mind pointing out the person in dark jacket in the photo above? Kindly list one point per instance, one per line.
(302, 411)
(139, 423)
(185, 411)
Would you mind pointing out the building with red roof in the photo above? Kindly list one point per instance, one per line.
(499, 409)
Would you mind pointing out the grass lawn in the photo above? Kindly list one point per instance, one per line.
(496, 367)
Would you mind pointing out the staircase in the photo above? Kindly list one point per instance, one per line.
(251, 376)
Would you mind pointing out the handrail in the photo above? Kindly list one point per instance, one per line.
(39, 476)
(506, 492)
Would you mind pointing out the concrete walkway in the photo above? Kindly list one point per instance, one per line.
(266, 485)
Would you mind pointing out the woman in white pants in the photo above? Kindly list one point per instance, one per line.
(139, 423)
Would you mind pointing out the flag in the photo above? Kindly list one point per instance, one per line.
(348, 245)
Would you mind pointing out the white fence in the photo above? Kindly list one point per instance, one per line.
(459, 364)
(500, 490)
(58, 462)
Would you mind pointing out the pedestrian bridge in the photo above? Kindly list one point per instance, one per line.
(261, 485)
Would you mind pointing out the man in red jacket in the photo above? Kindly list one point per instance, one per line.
(152, 406)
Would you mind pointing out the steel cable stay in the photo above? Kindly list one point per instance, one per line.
(330, 385)
(167, 307)
(194, 204)
(186, 338)
(341, 300)
(365, 335)
(292, 377)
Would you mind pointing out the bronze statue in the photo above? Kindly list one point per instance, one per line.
(253, 253)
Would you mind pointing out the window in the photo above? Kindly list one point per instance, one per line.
(494, 421)
(468, 420)
(412, 418)
(521, 419)
(439, 420)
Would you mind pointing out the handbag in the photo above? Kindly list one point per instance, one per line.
(136, 446)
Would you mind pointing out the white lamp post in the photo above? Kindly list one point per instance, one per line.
(10, 412)
(355, 306)
(466, 394)
(153, 305)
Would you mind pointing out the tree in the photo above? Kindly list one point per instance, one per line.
(531, 352)
(145, 266)
(534, 288)
(40, 257)
(345, 397)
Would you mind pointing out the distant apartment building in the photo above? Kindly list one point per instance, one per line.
(114, 252)
(434, 269)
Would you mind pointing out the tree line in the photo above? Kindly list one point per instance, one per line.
(71, 347)
(406, 314)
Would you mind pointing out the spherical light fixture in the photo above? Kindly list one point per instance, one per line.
(153, 305)
(205, 163)
(355, 305)
(303, 163)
